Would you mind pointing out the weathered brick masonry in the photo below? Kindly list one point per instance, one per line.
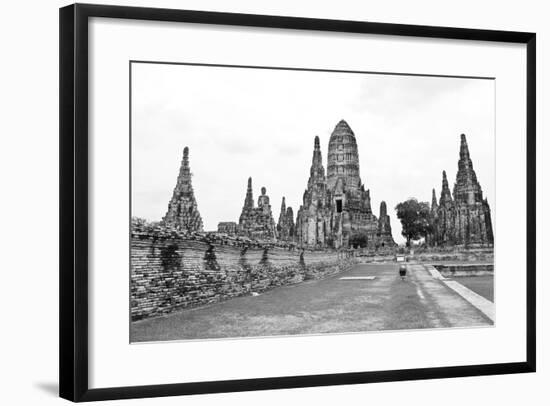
(171, 270)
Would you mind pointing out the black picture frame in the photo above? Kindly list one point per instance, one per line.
(73, 146)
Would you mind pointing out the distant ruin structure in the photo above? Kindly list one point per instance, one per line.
(183, 213)
(285, 225)
(384, 236)
(227, 227)
(256, 222)
(336, 210)
(463, 218)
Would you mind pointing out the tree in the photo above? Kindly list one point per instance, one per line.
(415, 219)
(358, 239)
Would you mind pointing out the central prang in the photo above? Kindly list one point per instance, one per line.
(336, 210)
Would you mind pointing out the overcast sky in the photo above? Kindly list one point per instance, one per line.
(241, 122)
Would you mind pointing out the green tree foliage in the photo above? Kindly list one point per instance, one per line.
(358, 239)
(414, 216)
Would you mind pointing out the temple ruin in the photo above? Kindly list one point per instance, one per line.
(336, 210)
(183, 213)
(227, 227)
(465, 217)
(384, 235)
(285, 225)
(256, 222)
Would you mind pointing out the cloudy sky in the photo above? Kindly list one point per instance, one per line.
(241, 122)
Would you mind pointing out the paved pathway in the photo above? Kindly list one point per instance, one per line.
(333, 305)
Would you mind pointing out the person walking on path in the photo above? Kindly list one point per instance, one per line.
(403, 271)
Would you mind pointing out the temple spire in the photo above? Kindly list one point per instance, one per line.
(249, 199)
(282, 215)
(464, 152)
(385, 238)
(182, 211)
(285, 225)
(343, 127)
(317, 159)
(383, 209)
(463, 219)
(256, 222)
(466, 188)
(185, 172)
(317, 171)
(186, 157)
(434, 200)
(343, 158)
(446, 197)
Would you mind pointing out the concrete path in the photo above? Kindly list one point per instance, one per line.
(367, 297)
(484, 305)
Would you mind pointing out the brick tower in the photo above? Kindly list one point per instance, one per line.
(183, 212)
(463, 218)
(343, 158)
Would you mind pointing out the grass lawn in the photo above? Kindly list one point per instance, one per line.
(330, 305)
(482, 285)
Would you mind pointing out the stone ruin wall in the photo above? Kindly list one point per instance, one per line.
(429, 255)
(171, 270)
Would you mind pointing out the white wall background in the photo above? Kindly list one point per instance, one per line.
(28, 164)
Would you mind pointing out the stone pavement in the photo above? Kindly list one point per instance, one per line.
(355, 303)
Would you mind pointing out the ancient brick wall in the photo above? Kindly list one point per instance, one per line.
(171, 270)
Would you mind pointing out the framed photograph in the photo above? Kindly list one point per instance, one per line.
(257, 202)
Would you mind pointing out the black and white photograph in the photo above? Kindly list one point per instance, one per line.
(277, 201)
